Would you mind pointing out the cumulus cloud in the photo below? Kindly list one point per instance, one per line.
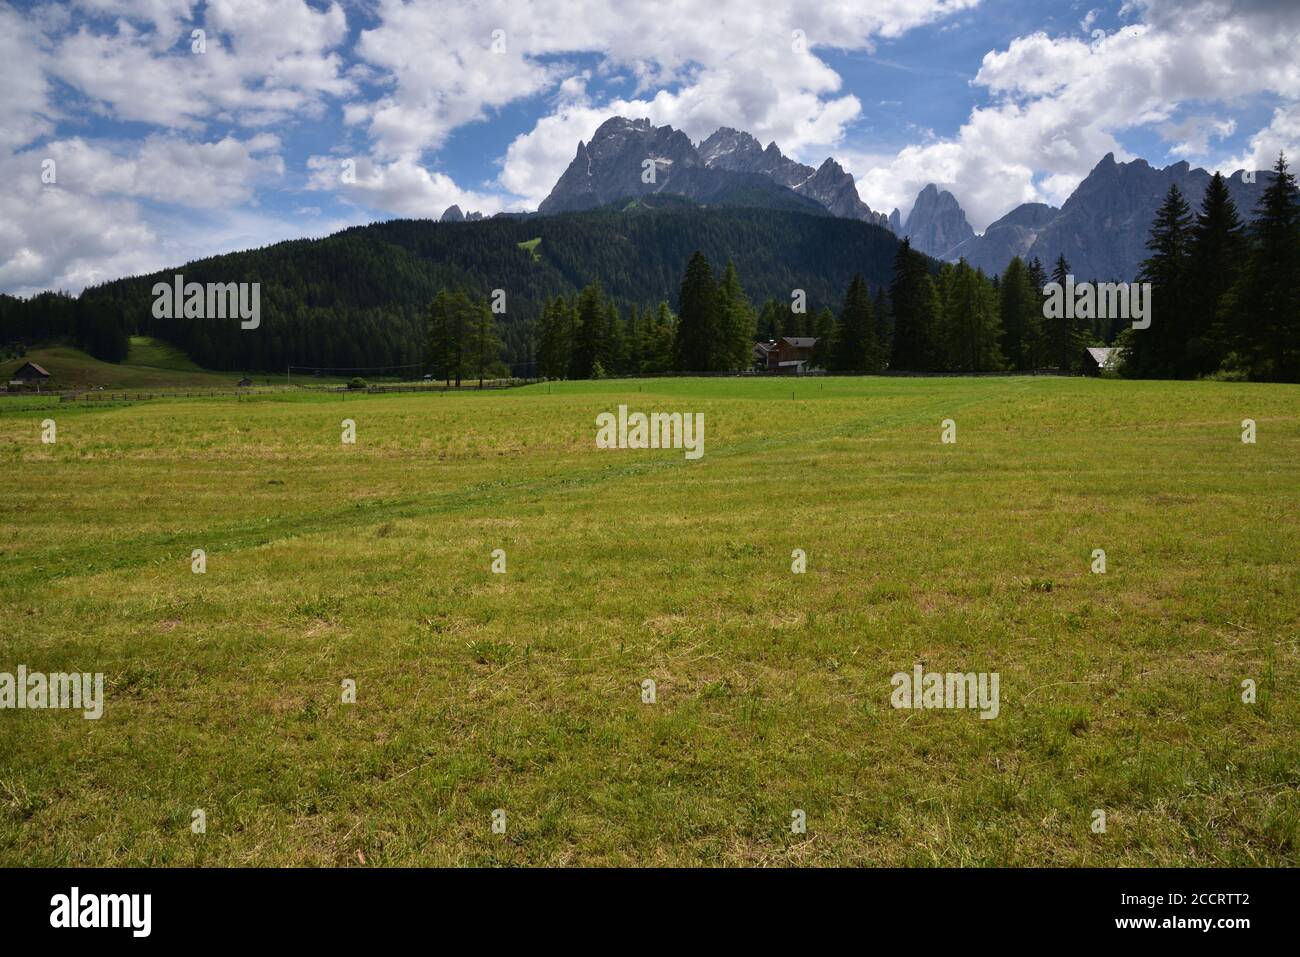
(261, 62)
(71, 212)
(403, 77)
(167, 168)
(1059, 103)
(400, 186)
(740, 63)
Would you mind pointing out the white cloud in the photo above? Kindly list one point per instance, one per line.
(419, 71)
(167, 168)
(264, 62)
(1060, 102)
(400, 186)
(1282, 135)
(24, 106)
(739, 65)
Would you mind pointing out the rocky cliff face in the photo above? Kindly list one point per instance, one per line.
(937, 223)
(1012, 235)
(454, 215)
(728, 162)
(1102, 229)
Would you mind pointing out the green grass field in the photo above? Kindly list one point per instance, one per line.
(477, 691)
(150, 364)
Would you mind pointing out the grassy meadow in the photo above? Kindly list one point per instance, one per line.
(521, 691)
(150, 364)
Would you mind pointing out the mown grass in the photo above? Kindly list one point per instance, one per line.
(521, 691)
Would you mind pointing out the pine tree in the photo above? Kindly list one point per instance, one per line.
(696, 317)
(1267, 298)
(1214, 258)
(972, 329)
(486, 345)
(613, 346)
(447, 326)
(553, 350)
(854, 347)
(915, 306)
(1021, 314)
(793, 324)
(1037, 274)
(1154, 352)
(735, 325)
(1066, 336)
(589, 331)
(884, 322)
(657, 340)
(824, 330)
(769, 320)
(632, 340)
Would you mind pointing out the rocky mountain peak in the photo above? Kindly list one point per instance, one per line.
(610, 168)
(937, 222)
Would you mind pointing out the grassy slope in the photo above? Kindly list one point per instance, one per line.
(479, 691)
(150, 364)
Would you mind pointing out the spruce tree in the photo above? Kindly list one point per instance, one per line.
(915, 307)
(973, 330)
(613, 346)
(884, 322)
(1214, 255)
(1154, 352)
(854, 347)
(553, 349)
(1021, 314)
(1037, 274)
(657, 340)
(447, 337)
(589, 331)
(1066, 336)
(824, 330)
(769, 320)
(485, 343)
(736, 321)
(696, 317)
(1267, 298)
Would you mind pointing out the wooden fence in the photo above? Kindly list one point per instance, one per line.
(104, 395)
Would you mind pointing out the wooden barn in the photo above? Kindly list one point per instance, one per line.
(793, 354)
(29, 374)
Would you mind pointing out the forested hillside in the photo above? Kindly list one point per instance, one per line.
(359, 298)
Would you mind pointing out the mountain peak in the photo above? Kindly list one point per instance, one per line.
(617, 124)
(726, 162)
(937, 224)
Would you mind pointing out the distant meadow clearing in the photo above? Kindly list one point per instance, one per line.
(472, 637)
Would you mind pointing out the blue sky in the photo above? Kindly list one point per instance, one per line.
(300, 117)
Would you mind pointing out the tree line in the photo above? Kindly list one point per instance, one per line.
(1225, 301)
(954, 318)
(586, 297)
(1225, 294)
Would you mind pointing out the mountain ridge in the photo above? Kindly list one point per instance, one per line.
(614, 165)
